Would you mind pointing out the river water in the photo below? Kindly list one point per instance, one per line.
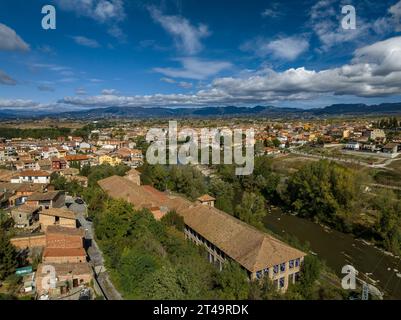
(339, 249)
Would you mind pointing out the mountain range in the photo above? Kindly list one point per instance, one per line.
(210, 112)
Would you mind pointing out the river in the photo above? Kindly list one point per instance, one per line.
(339, 249)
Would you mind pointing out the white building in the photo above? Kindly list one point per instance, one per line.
(31, 176)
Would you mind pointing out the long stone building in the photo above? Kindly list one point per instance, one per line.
(224, 236)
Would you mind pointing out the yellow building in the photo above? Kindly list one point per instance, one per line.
(111, 160)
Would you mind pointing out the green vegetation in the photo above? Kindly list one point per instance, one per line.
(42, 133)
(323, 190)
(333, 194)
(151, 259)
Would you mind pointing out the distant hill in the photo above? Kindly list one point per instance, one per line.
(210, 112)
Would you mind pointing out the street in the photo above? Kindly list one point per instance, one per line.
(94, 252)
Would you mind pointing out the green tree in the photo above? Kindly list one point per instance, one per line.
(8, 256)
(232, 282)
(252, 209)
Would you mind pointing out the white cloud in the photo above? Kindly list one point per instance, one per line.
(99, 10)
(110, 12)
(168, 80)
(86, 42)
(187, 37)
(373, 72)
(6, 79)
(18, 104)
(271, 13)
(108, 92)
(10, 40)
(286, 48)
(185, 85)
(325, 20)
(194, 68)
(181, 84)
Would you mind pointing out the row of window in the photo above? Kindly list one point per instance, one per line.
(279, 267)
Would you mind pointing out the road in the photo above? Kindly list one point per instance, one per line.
(94, 253)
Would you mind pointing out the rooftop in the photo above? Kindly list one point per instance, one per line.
(58, 212)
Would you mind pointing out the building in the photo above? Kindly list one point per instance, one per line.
(59, 278)
(64, 255)
(224, 236)
(58, 164)
(109, 159)
(46, 200)
(390, 148)
(62, 237)
(57, 217)
(374, 134)
(31, 176)
(24, 216)
(352, 145)
(206, 200)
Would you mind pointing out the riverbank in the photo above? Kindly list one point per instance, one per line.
(377, 267)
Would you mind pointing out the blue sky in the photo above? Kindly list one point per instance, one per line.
(182, 53)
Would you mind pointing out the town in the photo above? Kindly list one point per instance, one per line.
(48, 217)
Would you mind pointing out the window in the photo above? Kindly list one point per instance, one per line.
(266, 271)
(282, 282)
(296, 276)
(275, 269)
(259, 274)
(282, 267)
(291, 264)
(297, 262)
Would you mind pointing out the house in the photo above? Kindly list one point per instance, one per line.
(352, 145)
(24, 216)
(64, 255)
(58, 164)
(224, 236)
(112, 160)
(374, 134)
(390, 148)
(62, 237)
(59, 278)
(207, 200)
(46, 200)
(57, 217)
(31, 176)
(82, 159)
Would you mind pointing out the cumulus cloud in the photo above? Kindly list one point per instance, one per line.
(6, 79)
(374, 71)
(325, 20)
(194, 68)
(187, 36)
(10, 40)
(86, 42)
(286, 48)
